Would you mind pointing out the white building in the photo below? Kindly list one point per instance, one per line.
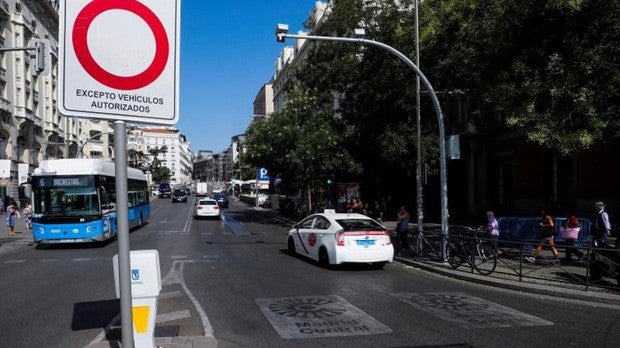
(31, 129)
(178, 157)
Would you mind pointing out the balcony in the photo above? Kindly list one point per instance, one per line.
(24, 112)
(20, 19)
(5, 105)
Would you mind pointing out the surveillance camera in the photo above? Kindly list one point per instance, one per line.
(281, 32)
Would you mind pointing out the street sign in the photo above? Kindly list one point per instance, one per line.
(262, 174)
(119, 60)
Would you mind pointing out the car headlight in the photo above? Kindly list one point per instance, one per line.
(90, 229)
(40, 230)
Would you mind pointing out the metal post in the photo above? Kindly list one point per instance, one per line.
(418, 119)
(122, 223)
(443, 167)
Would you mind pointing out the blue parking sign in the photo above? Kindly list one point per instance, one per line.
(262, 174)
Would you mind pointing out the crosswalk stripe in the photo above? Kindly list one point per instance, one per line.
(165, 317)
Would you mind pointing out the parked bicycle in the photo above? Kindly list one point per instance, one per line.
(469, 248)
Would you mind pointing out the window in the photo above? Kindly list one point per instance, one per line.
(307, 223)
(321, 223)
(359, 225)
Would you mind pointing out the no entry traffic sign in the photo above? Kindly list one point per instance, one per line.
(119, 60)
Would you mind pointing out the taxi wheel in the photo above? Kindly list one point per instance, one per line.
(291, 246)
(323, 257)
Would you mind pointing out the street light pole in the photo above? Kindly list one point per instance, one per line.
(281, 36)
(418, 117)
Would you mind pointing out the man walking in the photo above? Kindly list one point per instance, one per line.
(601, 230)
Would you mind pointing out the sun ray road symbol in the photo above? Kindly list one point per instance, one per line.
(306, 308)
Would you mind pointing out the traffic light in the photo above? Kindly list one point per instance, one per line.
(330, 181)
(40, 57)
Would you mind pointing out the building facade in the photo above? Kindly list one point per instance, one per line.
(178, 156)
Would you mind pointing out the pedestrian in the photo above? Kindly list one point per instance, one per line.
(375, 212)
(27, 213)
(358, 206)
(570, 232)
(11, 215)
(402, 227)
(601, 229)
(493, 229)
(547, 233)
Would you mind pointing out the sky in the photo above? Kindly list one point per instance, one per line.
(228, 51)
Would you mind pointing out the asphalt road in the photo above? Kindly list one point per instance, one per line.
(234, 280)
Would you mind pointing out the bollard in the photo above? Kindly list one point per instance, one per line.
(145, 288)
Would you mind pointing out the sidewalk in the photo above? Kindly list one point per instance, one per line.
(566, 279)
(23, 236)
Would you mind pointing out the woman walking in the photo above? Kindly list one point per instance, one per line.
(11, 215)
(547, 233)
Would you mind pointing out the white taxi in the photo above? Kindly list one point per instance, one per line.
(333, 239)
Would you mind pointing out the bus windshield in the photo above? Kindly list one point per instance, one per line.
(67, 201)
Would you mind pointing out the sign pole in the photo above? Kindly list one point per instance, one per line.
(122, 224)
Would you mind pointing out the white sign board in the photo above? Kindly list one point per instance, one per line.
(119, 60)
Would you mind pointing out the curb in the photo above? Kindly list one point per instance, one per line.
(167, 342)
(581, 295)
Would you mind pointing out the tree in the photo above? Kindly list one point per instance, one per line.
(300, 144)
(547, 68)
(159, 172)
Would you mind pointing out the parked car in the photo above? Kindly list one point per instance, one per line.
(207, 207)
(332, 239)
(222, 199)
(179, 195)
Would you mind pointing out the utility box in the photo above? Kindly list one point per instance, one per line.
(145, 288)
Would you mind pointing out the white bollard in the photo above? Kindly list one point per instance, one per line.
(145, 288)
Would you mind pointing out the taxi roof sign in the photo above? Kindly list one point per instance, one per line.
(119, 60)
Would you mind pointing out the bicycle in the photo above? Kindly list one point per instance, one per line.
(473, 250)
(418, 245)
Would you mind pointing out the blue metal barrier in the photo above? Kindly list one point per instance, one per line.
(526, 229)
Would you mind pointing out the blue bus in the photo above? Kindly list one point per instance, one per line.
(74, 200)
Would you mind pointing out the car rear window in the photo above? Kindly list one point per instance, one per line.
(179, 192)
(359, 225)
(208, 203)
(219, 195)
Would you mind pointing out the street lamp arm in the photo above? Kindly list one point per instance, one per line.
(282, 35)
(81, 148)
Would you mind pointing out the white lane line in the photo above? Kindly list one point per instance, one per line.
(14, 261)
(169, 295)
(178, 257)
(206, 324)
(166, 317)
(82, 259)
(188, 220)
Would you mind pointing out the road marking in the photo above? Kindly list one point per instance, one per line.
(82, 259)
(210, 256)
(234, 226)
(318, 316)
(178, 257)
(166, 317)
(104, 332)
(169, 295)
(164, 220)
(469, 312)
(175, 276)
(14, 261)
(188, 220)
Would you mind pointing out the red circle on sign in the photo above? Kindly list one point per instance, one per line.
(312, 239)
(80, 44)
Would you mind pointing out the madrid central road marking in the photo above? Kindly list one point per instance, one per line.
(469, 312)
(318, 316)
